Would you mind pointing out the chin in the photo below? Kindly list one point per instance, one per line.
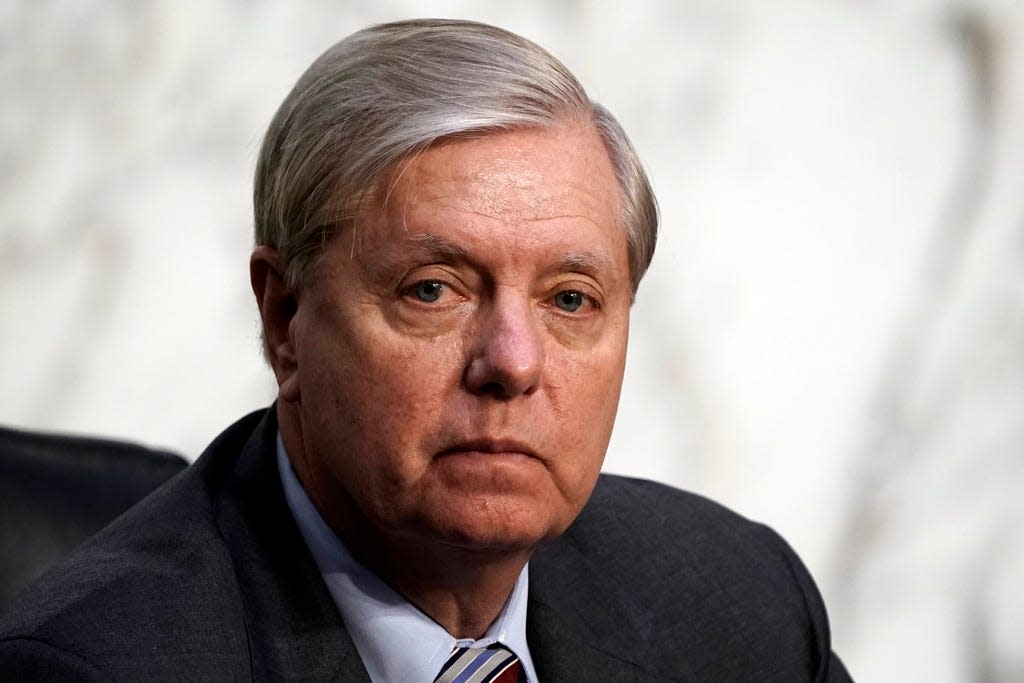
(502, 532)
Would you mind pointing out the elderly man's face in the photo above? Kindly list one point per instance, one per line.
(459, 352)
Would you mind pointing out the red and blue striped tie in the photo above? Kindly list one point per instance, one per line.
(495, 664)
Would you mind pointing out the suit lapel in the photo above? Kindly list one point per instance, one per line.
(293, 626)
(580, 627)
(559, 652)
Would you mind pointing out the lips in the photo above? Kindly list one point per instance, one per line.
(491, 446)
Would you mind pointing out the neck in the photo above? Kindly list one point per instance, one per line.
(462, 590)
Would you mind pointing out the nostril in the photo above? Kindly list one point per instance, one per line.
(493, 389)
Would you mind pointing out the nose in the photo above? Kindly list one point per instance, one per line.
(507, 358)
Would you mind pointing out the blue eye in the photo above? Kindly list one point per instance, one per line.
(569, 300)
(427, 291)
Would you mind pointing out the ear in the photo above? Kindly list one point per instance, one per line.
(277, 304)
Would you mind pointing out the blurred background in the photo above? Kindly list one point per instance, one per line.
(830, 340)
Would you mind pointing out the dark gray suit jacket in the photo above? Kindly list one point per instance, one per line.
(208, 579)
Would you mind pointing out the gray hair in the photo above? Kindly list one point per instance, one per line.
(390, 91)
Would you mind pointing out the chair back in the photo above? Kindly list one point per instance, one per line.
(56, 491)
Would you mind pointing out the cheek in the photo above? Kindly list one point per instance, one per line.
(379, 396)
(408, 379)
(584, 401)
(591, 381)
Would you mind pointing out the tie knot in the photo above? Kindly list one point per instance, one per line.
(494, 664)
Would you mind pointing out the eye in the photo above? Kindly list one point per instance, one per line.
(427, 291)
(570, 300)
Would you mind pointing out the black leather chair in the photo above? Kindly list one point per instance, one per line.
(56, 491)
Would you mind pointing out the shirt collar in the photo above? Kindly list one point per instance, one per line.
(396, 641)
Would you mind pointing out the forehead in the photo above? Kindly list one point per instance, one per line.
(516, 186)
(519, 175)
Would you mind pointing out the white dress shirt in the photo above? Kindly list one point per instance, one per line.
(396, 641)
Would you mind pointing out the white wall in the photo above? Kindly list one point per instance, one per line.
(829, 339)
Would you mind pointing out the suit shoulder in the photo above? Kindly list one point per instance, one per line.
(642, 511)
(143, 584)
(28, 659)
(726, 595)
(675, 529)
(149, 582)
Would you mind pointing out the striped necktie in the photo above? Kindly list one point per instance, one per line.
(495, 664)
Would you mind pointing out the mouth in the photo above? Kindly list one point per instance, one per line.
(490, 447)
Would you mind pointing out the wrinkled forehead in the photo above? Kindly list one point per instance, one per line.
(519, 175)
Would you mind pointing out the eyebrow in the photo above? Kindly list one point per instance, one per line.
(428, 245)
(440, 247)
(589, 261)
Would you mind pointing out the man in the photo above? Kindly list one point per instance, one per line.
(449, 238)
